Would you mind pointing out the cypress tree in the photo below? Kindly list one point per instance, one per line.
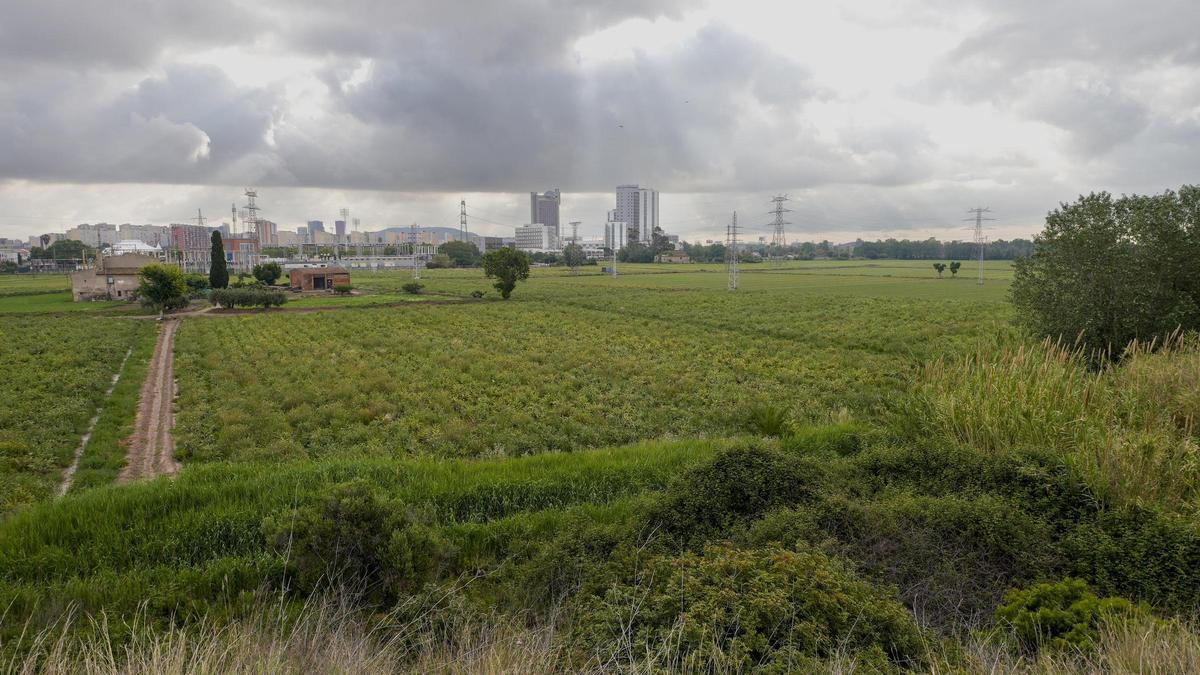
(218, 274)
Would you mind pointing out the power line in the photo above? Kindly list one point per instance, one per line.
(980, 239)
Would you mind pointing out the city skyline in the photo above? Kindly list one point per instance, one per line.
(878, 118)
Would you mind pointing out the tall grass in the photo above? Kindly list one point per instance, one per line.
(1129, 428)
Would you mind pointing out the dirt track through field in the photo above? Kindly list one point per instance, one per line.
(151, 447)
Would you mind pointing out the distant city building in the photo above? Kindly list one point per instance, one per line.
(543, 209)
(241, 253)
(125, 246)
(223, 228)
(487, 244)
(637, 207)
(537, 238)
(315, 226)
(267, 233)
(99, 235)
(615, 231)
(152, 235)
(339, 228)
(192, 246)
(51, 237)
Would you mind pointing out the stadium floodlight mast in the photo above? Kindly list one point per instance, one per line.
(980, 239)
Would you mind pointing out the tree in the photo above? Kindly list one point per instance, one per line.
(439, 261)
(659, 243)
(268, 273)
(573, 257)
(1108, 271)
(954, 265)
(636, 253)
(218, 274)
(507, 266)
(63, 249)
(940, 267)
(45, 239)
(162, 287)
(461, 253)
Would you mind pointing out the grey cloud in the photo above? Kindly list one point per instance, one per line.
(116, 33)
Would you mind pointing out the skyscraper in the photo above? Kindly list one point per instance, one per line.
(544, 209)
(339, 228)
(637, 207)
(315, 226)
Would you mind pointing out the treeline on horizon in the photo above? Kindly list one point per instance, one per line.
(896, 249)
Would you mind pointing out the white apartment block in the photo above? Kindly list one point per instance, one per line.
(637, 207)
(151, 235)
(537, 238)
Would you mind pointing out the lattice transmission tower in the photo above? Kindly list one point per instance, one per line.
(412, 239)
(731, 251)
(980, 238)
(778, 237)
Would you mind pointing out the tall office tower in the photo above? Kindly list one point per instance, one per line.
(614, 232)
(315, 226)
(544, 209)
(339, 228)
(637, 207)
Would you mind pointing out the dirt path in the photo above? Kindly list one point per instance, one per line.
(151, 447)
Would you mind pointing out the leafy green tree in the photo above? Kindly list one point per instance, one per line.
(659, 243)
(218, 273)
(439, 261)
(196, 283)
(162, 287)
(63, 249)
(507, 266)
(636, 253)
(940, 267)
(1107, 271)
(573, 257)
(461, 253)
(954, 265)
(268, 273)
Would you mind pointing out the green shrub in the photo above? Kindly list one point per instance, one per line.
(841, 439)
(352, 540)
(478, 294)
(1139, 553)
(247, 296)
(1063, 615)
(734, 610)
(342, 289)
(768, 420)
(412, 287)
(738, 484)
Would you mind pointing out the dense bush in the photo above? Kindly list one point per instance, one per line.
(738, 484)
(352, 540)
(1063, 615)
(162, 287)
(251, 296)
(197, 284)
(342, 289)
(268, 273)
(1108, 271)
(412, 287)
(733, 610)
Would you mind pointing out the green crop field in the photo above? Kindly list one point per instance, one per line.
(886, 430)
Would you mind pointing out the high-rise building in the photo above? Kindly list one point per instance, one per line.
(96, 236)
(151, 235)
(543, 209)
(637, 207)
(614, 232)
(339, 228)
(315, 226)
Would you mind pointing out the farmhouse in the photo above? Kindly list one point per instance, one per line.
(115, 277)
(675, 257)
(318, 278)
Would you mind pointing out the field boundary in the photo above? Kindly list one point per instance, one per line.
(69, 472)
(151, 446)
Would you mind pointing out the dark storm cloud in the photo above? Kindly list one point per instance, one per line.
(115, 33)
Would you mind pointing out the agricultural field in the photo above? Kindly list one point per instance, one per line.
(55, 370)
(526, 471)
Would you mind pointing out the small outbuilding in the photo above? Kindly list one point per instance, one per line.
(115, 277)
(318, 278)
(675, 257)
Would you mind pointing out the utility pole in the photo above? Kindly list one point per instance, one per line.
(980, 239)
(462, 220)
(731, 251)
(778, 239)
(574, 242)
(412, 238)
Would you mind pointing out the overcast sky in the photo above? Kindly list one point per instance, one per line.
(877, 118)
